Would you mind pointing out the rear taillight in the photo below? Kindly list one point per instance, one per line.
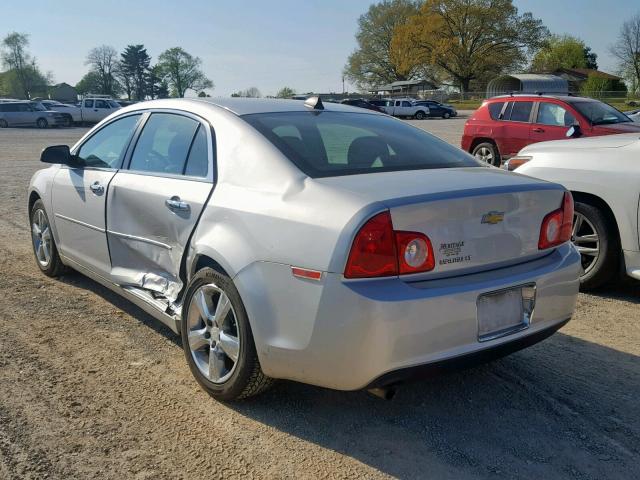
(379, 251)
(556, 226)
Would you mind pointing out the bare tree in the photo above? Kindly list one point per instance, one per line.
(104, 62)
(627, 50)
(25, 73)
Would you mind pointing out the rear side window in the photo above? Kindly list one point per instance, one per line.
(88, 103)
(521, 111)
(164, 144)
(198, 160)
(494, 110)
(345, 143)
(106, 148)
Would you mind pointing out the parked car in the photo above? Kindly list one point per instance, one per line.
(288, 239)
(402, 107)
(603, 174)
(633, 115)
(95, 109)
(504, 125)
(72, 113)
(28, 114)
(437, 109)
(359, 102)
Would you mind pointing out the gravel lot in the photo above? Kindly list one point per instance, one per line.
(91, 387)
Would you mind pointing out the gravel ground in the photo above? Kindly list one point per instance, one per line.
(91, 387)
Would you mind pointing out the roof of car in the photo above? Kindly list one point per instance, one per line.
(247, 106)
(564, 98)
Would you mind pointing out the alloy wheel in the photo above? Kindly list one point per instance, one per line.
(213, 336)
(585, 237)
(485, 154)
(41, 237)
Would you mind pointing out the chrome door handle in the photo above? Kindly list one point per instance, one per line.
(97, 188)
(174, 203)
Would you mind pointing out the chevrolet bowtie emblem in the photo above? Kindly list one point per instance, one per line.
(492, 218)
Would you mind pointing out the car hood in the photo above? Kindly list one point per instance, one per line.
(572, 144)
(625, 127)
(444, 182)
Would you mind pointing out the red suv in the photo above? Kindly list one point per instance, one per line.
(503, 125)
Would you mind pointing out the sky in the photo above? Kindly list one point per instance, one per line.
(301, 44)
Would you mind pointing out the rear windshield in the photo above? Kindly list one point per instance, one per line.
(327, 144)
(599, 113)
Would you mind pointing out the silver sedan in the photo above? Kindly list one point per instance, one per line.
(319, 243)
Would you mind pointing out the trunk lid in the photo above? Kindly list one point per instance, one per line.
(476, 218)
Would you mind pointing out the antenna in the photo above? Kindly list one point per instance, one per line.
(314, 102)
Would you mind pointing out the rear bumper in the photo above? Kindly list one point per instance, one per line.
(462, 362)
(349, 335)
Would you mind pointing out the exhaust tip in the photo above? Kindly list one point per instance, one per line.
(385, 393)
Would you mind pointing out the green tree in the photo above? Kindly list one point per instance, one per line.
(156, 86)
(599, 87)
(182, 72)
(374, 62)
(591, 58)
(133, 71)
(25, 78)
(285, 92)
(103, 61)
(562, 52)
(90, 83)
(467, 40)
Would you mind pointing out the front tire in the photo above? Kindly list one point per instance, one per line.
(420, 115)
(487, 152)
(594, 236)
(44, 245)
(42, 123)
(3, 123)
(217, 339)
(446, 115)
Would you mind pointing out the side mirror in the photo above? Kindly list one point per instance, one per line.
(57, 154)
(574, 131)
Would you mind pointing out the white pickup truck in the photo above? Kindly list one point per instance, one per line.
(90, 109)
(402, 107)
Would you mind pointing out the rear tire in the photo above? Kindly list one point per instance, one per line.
(44, 245)
(68, 121)
(206, 341)
(420, 115)
(595, 237)
(3, 123)
(446, 115)
(42, 123)
(487, 152)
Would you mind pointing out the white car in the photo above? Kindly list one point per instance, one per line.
(325, 244)
(633, 115)
(603, 174)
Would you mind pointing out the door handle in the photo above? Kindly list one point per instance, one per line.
(538, 130)
(97, 188)
(174, 203)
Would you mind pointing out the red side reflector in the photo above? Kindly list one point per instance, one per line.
(304, 273)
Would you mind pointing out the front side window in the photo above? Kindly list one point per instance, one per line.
(521, 111)
(101, 104)
(113, 104)
(346, 143)
(106, 148)
(164, 144)
(406, 104)
(598, 113)
(554, 115)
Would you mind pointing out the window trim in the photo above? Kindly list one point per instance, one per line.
(211, 147)
(76, 149)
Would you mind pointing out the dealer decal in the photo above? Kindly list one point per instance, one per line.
(452, 253)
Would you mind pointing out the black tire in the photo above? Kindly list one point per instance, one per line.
(3, 123)
(68, 121)
(420, 115)
(55, 267)
(42, 123)
(607, 263)
(446, 115)
(492, 159)
(247, 378)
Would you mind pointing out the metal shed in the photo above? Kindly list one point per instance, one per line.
(527, 83)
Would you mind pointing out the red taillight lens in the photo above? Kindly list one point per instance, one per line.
(415, 253)
(373, 253)
(379, 251)
(556, 226)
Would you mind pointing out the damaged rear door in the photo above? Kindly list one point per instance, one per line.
(153, 205)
